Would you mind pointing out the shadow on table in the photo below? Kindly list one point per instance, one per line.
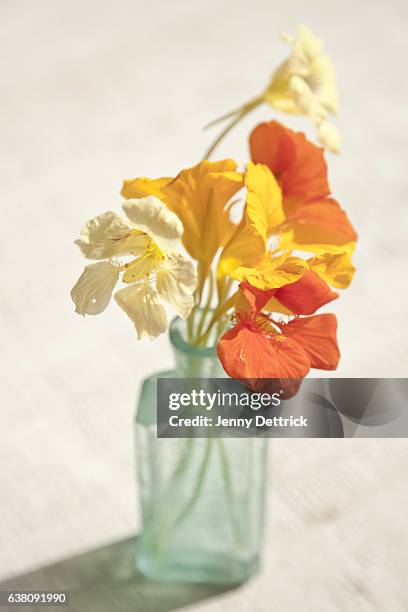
(106, 580)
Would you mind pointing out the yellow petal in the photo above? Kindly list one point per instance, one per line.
(198, 196)
(93, 290)
(263, 211)
(142, 187)
(151, 216)
(272, 273)
(142, 305)
(176, 283)
(335, 269)
(305, 239)
(143, 266)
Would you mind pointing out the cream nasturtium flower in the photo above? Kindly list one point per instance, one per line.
(304, 84)
(155, 273)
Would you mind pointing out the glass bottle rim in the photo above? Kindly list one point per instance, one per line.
(177, 333)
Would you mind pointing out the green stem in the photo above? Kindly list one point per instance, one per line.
(198, 485)
(238, 115)
(220, 311)
(207, 306)
(226, 473)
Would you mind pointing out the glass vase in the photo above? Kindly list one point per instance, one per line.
(202, 499)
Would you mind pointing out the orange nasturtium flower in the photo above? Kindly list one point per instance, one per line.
(260, 346)
(313, 221)
(287, 191)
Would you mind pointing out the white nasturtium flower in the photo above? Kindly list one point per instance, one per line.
(306, 84)
(157, 271)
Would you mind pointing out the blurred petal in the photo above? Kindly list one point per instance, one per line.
(318, 337)
(176, 283)
(142, 305)
(93, 290)
(329, 136)
(150, 215)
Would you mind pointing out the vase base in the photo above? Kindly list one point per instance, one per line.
(200, 569)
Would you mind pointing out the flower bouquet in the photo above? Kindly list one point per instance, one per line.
(245, 258)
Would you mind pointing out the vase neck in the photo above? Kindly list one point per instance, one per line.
(193, 361)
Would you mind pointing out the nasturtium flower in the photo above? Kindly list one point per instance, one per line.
(156, 272)
(304, 84)
(261, 346)
(199, 197)
(313, 221)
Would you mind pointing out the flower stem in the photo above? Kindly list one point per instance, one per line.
(198, 484)
(237, 116)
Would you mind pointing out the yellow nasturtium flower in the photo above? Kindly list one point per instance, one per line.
(304, 84)
(198, 196)
(155, 273)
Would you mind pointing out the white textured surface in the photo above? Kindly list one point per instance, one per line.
(92, 92)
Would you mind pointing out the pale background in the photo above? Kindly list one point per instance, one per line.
(93, 92)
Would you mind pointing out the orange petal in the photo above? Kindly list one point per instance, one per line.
(320, 222)
(317, 336)
(255, 298)
(298, 164)
(306, 295)
(254, 354)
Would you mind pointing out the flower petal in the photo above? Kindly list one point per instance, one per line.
(143, 266)
(93, 290)
(298, 164)
(198, 196)
(263, 211)
(329, 136)
(142, 187)
(318, 337)
(247, 354)
(176, 283)
(321, 226)
(272, 272)
(142, 305)
(152, 216)
(335, 269)
(306, 295)
(107, 236)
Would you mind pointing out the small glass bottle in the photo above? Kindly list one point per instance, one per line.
(202, 499)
